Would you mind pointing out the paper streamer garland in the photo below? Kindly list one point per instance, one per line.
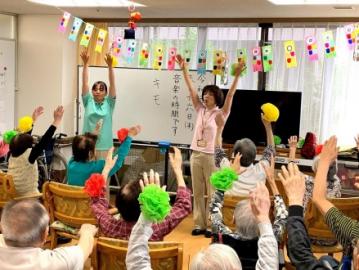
(267, 53)
(131, 48)
(157, 61)
(329, 44)
(143, 56)
(218, 62)
(312, 48)
(86, 36)
(75, 29)
(242, 57)
(290, 55)
(202, 62)
(171, 58)
(64, 21)
(257, 59)
(100, 40)
(350, 35)
(116, 46)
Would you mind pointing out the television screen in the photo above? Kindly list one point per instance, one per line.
(245, 118)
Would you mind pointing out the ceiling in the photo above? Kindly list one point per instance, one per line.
(189, 9)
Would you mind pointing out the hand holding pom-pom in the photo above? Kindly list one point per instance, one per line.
(25, 124)
(95, 185)
(9, 135)
(223, 179)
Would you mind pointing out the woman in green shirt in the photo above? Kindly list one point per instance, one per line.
(98, 105)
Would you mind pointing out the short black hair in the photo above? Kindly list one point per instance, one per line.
(247, 149)
(127, 201)
(83, 145)
(216, 91)
(20, 143)
(101, 83)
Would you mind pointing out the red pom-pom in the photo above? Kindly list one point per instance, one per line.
(318, 149)
(122, 134)
(95, 185)
(136, 16)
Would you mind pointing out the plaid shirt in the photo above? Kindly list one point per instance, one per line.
(112, 227)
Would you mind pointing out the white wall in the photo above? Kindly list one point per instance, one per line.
(46, 71)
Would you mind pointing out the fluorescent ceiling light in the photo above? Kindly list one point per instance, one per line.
(315, 2)
(87, 3)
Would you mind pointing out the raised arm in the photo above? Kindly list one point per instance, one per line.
(111, 75)
(220, 156)
(269, 132)
(85, 73)
(292, 141)
(192, 91)
(229, 98)
(327, 156)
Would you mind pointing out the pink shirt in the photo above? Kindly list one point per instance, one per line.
(205, 129)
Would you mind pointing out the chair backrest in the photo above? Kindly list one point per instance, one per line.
(7, 189)
(315, 221)
(68, 204)
(111, 254)
(229, 204)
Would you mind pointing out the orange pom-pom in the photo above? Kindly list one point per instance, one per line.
(318, 149)
(122, 134)
(95, 185)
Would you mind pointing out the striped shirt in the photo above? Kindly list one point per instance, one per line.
(344, 228)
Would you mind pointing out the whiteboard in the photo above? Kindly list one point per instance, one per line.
(159, 101)
(7, 84)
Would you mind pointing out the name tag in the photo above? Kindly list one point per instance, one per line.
(201, 143)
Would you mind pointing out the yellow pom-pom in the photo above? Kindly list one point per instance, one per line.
(270, 111)
(25, 124)
(114, 61)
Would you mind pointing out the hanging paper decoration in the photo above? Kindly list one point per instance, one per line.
(171, 58)
(218, 62)
(312, 48)
(116, 46)
(202, 61)
(267, 53)
(290, 55)
(143, 56)
(85, 39)
(75, 29)
(64, 21)
(187, 55)
(242, 57)
(100, 40)
(257, 59)
(157, 61)
(131, 47)
(356, 49)
(349, 31)
(329, 44)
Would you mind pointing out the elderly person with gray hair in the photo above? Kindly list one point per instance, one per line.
(24, 226)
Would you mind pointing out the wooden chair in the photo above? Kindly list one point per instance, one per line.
(68, 204)
(111, 254)
(229, 204)
(7, 189)
(317, 227)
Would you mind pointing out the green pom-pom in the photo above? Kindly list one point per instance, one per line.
(300, 143)
(223, 179)
(9, 135)
(155, 203)
(277, 140)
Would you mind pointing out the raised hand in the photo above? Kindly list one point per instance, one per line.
(330, 151)
(109, 59)
(176, 159)
(58, 113)
(236, 164)
(265, 122)
(110, 162)
(269, 171)
(37, 112)
(180, 61)
(133, 131)
(85, 57)
(260, 203)
(293, 183)
(98, 127)
(154, 179)
(292, 141)
(240, 67)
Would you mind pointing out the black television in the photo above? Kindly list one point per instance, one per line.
(245, 118)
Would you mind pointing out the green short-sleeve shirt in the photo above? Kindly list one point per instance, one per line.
(95, 111)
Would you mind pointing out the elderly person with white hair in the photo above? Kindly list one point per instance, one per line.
(24, 226)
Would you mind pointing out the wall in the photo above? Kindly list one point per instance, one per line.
(46, 71)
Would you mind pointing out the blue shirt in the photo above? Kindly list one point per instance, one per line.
(94, 111)
(79, 172)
